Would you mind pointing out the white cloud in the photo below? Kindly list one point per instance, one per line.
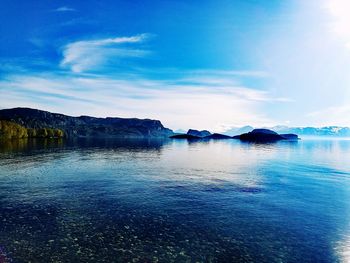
(91, 54)
(177, 105)
(64, 9)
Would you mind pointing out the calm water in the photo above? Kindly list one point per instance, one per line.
(174, 201)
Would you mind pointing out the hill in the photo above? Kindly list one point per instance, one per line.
(86, 126)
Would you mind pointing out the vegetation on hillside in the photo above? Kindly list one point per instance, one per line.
(11, 130)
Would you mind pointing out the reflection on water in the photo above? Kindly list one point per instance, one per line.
(28, 144)
(174, 201)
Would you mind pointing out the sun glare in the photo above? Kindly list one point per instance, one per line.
(339, 10)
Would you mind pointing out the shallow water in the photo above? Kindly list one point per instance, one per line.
(174, 201)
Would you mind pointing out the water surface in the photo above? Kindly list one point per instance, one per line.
(174, 201)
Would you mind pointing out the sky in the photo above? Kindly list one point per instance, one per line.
(191, 64)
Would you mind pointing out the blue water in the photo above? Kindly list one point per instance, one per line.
(174, 201)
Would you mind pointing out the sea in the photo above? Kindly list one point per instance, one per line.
(107, 200)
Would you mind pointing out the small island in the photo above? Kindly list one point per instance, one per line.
(265, 135)
(256, 135)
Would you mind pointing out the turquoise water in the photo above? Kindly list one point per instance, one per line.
(174, 201)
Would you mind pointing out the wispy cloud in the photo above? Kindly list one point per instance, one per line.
(89, 55)
(177, 104)
(182, 98)
(64, 9)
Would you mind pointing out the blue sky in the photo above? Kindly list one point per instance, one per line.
(191, 64)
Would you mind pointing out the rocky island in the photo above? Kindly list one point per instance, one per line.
(200, 135)
(257, 135)
(192, 135)
(265, 135)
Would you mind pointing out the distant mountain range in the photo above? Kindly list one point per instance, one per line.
(86, 126)
(334, 131)
(238, 130)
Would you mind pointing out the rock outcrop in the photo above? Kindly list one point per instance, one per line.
(197, 133)
(190, 136)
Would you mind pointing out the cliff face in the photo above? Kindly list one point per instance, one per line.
(86, 126)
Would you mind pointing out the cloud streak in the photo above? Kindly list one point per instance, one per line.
(64, 9)
(193, 98)
(90, 55)
(178, 105)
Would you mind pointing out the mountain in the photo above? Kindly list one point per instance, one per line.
(86, 126)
